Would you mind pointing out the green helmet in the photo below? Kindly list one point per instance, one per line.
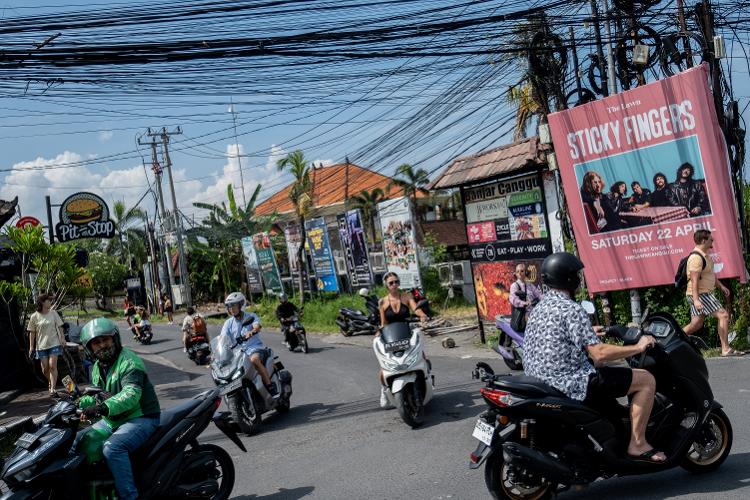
(100, 327)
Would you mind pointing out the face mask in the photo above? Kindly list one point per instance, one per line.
(106, 355)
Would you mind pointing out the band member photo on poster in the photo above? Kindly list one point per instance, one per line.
(662, 183)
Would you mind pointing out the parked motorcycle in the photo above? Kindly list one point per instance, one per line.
(240, 384)
(171, 464)
(294, 333)
(198, 349)
(537, 442)
(510, 344)
(356, 322)
(407, 372)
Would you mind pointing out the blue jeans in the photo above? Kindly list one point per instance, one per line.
(126, 439)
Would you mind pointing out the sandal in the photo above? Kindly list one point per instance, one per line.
(647, 456)
(731, 353)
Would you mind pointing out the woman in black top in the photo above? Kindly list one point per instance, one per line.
(395, 307)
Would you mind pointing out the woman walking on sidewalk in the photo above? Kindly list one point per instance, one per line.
(46, 338)
(168, 309)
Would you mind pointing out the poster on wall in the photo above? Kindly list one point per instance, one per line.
(254, 280)
(320, 249)
(642, 171)
(261, 245)
(352, 236)
(506, 225)
(399, 241)
(492, 281)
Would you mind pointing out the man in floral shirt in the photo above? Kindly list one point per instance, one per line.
(562, 349)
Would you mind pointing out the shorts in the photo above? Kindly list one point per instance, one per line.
(46, 353)
(609, 382)
(261, 351)
(710, 304)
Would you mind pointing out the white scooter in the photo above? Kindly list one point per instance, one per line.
(400, 352)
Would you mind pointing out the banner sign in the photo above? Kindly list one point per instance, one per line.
(353, 240)
(506, 225)
(399, 241)
(261, 244)
(642, 171)
(84, 215)
(293, 237)
(320, 249)
(254, 280)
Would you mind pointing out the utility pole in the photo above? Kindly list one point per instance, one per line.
(610, 51)
(599, 50)
(237, 149)
(176, 222)
(157, 170)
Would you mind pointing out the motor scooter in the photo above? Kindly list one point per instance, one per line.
(241, 385)
(537, 442)
(198, 349)
(407, 372)
(294, 333)
(510, 344)
(356, 322)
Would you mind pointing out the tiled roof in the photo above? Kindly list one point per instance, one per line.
(331, 185)
(487, 164)
(448, 232)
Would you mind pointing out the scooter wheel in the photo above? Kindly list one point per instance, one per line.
(223, 469)
(707, 455)
(304, 344)
(501, 486)
(246, 415)
(410, 407)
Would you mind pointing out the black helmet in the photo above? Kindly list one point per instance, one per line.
(560, 270)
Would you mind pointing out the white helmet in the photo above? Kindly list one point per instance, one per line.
(364, 292)
(235, 298)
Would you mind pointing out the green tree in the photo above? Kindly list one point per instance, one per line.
(128, 242)
(107, 275)
(300, 195)
(216, 263)
(410, 181)
(367, 201)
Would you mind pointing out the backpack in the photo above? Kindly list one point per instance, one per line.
(199, 324)
(681, 277)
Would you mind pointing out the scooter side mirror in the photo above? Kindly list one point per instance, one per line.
(588, 306)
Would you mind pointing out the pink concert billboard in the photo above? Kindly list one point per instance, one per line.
(642, 171)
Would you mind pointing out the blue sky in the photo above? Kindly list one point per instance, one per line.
(98, 129)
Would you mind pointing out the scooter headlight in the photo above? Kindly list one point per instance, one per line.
(238, 373)
(413, 355)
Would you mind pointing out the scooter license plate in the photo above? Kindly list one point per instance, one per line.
(231, 386)
(484, 432)
(398, 345)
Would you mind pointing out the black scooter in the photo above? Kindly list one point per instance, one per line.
(294, 332)
(356, 322)
(536, 442)
(171, 464)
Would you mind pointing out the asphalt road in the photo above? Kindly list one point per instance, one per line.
(336, 443)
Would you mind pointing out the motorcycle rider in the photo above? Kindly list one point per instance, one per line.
(253, 346)
(562, 349)
(129, 406)
(188, 327)
(284, 311)
(394, 308)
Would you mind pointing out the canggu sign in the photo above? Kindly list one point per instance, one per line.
(84, 215)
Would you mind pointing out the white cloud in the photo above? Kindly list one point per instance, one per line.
(277, 153)
(105, 135)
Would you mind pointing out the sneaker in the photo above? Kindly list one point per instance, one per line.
(384, 403)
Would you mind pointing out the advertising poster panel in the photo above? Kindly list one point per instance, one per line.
(261, 244)
(320, 249)
(399, 241)
(642, 171)
(293, 237)
(506, 225)
(353, 240)
(254, 280)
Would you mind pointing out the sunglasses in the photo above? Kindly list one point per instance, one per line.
(394, 282)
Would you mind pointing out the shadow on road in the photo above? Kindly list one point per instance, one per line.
(450, 407)
(732, 475)
(282, 494)
(312, 350)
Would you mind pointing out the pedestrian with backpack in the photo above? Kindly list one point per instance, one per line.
(193, 324)
(699, 292)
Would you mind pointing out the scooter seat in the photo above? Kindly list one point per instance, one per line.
(168, 420)
(523, 384)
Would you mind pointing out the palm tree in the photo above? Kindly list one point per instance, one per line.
(367, 201)
(123, 217)
(301, 195)
(226, 223)
(410, 181)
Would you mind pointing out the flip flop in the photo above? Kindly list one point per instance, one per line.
(647, 456)
(731, 353)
